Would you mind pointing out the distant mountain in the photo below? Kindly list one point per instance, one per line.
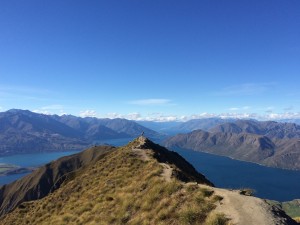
(296, 121)
(244, 146)
(203, 124)
(22, 131)
(172, 128)
(268, 143)
(270, 129)
(115, 128)
(161, 127)
(140, 183)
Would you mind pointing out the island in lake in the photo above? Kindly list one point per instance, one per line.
(10, 169)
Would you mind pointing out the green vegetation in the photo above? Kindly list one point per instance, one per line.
(122, 188)
(291, 208)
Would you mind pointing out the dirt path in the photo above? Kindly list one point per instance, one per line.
(246, 210)
(142, 153)
(167, 172)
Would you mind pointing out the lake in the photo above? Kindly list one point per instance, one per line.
(224, 172)
(29, 160)
(269, 183)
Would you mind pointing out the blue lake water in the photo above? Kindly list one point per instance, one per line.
(39, 159)
(29, 160)
(269, 183)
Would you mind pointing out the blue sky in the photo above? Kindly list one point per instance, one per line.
(161, 60)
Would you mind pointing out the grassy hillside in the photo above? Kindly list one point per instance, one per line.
(127, 186)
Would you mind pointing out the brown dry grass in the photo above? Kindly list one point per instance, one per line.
(121, 188)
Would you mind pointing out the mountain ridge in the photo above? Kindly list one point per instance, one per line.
(140, 183)
(24, 131)
(267, 143)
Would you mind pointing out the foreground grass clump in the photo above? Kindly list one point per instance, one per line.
(297, 219)
(121, 188)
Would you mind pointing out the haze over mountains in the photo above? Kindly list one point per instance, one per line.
(269, 143)
(22, 131)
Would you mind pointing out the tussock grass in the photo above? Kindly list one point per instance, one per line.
(121, 189)
(247, 191)
(297, 219)
(217, 219)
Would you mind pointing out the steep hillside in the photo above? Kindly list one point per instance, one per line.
(47, 178)
(140, 183)
(24, 131)
(267, 143)
(243, 146)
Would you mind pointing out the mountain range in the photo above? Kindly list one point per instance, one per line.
(268, 143)
(23, 131)
(171, 128)
(140, 183)
(175, 127)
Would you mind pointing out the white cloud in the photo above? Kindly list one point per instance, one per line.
(42, 112)
(151, 101)
(134, 116)
(238, 115)
(161, 117)
(88, 113)
(200, 116)
(286, 115)
(234, 109)
(158, 117)
(51, 110)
